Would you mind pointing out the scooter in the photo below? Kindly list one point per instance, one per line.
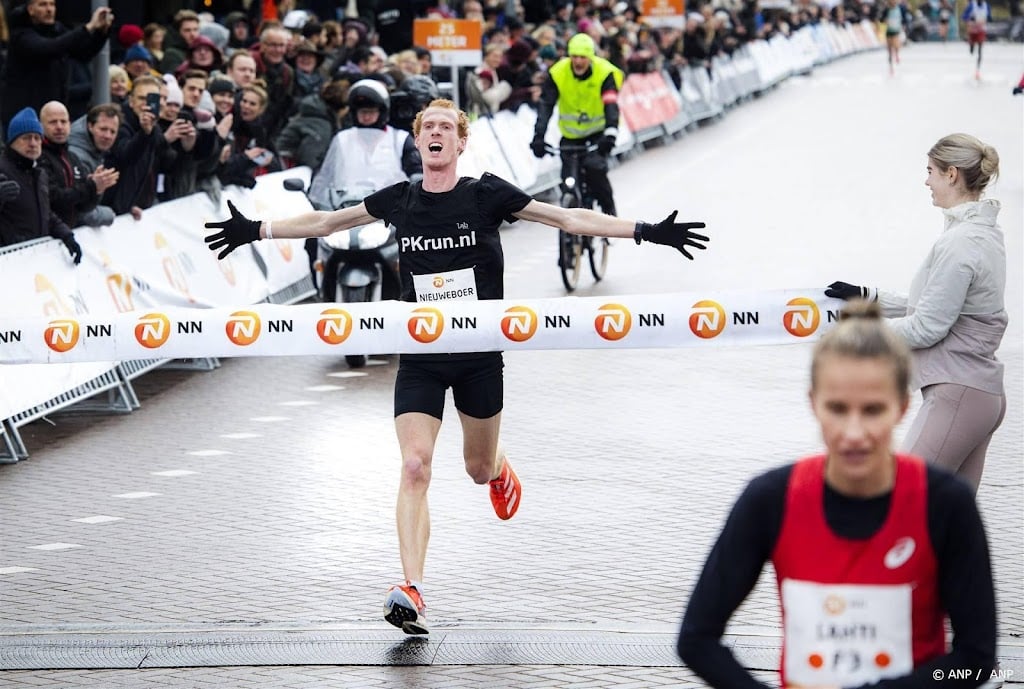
(355, 265)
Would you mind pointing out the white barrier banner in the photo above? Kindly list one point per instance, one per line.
(50, 289)
(286, 260)
(628, 321)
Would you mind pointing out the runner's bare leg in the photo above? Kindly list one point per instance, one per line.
(480, 450)
(417, 434)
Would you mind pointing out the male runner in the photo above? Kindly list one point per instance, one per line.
(447, 226)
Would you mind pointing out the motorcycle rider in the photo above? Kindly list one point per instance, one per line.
(368, 156)
(586, 89)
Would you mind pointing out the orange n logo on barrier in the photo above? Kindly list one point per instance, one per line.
(519, 323)
(426, 325)
(613, 322)
(801, 317)
(152, 330)
(334, 326)
(707, 319)
(61, 335)
(243, 328)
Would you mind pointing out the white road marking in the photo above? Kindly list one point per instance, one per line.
(98, 519)
(136, 495)
(208, 453)
(55, 546)
(16, 570)
(173, 473)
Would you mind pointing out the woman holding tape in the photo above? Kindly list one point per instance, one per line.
(954, 317)
(447, 227)
(872, 550)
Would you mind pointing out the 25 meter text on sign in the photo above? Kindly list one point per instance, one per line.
(450, 41)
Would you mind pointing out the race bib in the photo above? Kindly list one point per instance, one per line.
(846, 634)
(453, 285)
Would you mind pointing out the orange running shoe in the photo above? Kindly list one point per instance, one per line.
(404, 607)
(505, 492)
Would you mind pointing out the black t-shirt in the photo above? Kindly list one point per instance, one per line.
(748, 539)
(451, 230)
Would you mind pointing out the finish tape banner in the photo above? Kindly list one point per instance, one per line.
(631, 321)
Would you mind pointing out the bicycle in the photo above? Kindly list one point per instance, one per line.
(576, 195)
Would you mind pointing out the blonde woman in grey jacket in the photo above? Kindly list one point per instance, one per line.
(954, 317)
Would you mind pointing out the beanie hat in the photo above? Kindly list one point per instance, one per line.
(581, 45)
(221, 86)
(138, 52)
(519, 52)
(174, 94)
(129, 35)
(25, 122)
(548, 52)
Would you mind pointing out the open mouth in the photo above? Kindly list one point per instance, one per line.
(434, 148)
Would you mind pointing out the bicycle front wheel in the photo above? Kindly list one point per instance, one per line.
(597, 252)
(569, 250)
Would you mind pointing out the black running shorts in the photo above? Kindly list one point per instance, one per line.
(477, 385)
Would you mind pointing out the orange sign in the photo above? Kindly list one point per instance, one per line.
(450, 41)
(663, 12)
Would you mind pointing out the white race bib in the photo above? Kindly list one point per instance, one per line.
(454, 285)
(846, 634)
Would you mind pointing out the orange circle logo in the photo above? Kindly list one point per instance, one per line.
(801, 317)
(438, 281)
(815, 660)
(152, 330)
(882, 659)
(243, 328)
(519, 323)
(334, 326)
(834, 604)
(61, 335)
(613, 322)
(426, 325)
(707, 319)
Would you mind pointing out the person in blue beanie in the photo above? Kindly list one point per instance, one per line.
(25, 211)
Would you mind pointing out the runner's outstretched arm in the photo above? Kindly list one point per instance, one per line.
(585, 221)
(238, 229)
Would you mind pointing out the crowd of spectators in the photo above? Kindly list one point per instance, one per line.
(199, 101)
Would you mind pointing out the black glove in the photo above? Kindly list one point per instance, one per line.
(1017, 90)
(671, 233)
(234, 232)
(539, 148)
(9, 189)
(73, 248)
(605, 145)
(846, 291)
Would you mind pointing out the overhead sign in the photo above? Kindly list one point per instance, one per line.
(663, 12)
(454, 42)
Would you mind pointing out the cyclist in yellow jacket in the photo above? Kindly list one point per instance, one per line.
(586, 89)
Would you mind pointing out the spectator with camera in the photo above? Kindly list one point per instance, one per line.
(134, 153)
(38, 65)
(74, 189)
(25, 211)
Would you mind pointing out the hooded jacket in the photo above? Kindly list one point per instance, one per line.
(307, 135)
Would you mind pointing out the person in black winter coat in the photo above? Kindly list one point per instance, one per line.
(139, 142)
(75, 190)
(305, 138)
(39, 55)
(25, 212)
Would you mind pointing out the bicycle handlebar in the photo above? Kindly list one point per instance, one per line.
(588, 147)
